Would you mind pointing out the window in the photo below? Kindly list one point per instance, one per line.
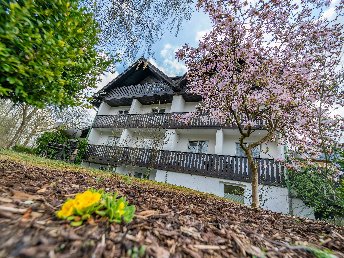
(147, 143)
(234, 193)
(123, 112)
(240, 152)
(158, 110)
(198, 146)
(112, 140)
(138, 174)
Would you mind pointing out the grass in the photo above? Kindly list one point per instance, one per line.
(37, 161)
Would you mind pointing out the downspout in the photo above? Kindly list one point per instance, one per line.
(290, 195)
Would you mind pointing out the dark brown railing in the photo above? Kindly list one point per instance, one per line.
(139, 90)
(209, 165)
(165, 121)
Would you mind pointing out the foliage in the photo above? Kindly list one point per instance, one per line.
(48, 52)
(273, 62)
(132, 27)
(137, 252)
(73, 117)
(319, 190)
(91, 203)
(58, 137)
(24, 149)
(82, 146)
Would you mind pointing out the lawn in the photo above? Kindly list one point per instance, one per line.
(170, 221)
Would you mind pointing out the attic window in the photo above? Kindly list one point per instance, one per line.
(123, 112)
(158, 111)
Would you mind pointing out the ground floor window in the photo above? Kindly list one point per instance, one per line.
(234, 193)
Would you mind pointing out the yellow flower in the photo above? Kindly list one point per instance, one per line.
(121, 208)
(86, 199)
(66, 210)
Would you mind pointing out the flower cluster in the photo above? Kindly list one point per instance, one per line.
(96, 203)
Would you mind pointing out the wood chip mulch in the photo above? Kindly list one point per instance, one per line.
(168, 222)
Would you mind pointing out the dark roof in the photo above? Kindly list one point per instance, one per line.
(135, 74)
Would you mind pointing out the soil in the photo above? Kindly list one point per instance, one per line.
(169, 222)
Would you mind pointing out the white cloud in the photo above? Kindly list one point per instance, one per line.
(105, 79)
(329, 13)
(153, 62)
(170, 65)
(200, 34)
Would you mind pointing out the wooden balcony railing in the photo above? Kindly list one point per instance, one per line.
(164, 121)
(140, 90)
(209, 165)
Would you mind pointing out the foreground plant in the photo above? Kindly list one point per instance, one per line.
(96, 203)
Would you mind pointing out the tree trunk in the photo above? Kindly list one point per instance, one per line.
(25, 120)
(255, 186)
(254, 169)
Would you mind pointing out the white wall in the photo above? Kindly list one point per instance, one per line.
(190, 106)
(272, 198)
(171, 140)
(105, 109)
(100, 137)
(97, 137)
(268, 150)
(178, 103)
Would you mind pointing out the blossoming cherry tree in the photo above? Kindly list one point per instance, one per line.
(274, 61)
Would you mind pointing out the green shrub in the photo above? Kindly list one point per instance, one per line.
(23, 149)
(320, 190)
(58, 137)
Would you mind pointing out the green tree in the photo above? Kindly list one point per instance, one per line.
(48, 53)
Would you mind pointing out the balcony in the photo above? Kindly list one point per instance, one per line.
(147, 93)
(163, 121)
(209, 165)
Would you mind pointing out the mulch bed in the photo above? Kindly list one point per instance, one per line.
(169, 222)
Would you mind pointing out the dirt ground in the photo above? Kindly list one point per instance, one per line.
(169, 222)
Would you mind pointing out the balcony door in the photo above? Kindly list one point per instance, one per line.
(198, 146)
(241, 153)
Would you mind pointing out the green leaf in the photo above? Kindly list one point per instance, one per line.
(76, 223)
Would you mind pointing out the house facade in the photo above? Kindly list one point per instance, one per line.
(137, 131)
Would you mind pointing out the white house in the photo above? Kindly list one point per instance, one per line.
(137, 132)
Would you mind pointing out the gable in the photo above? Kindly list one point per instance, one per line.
(139, 73)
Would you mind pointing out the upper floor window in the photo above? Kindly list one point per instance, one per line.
(198, 146)
(158, 110)
(123, 112)
(241, 153)
(112, 140)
